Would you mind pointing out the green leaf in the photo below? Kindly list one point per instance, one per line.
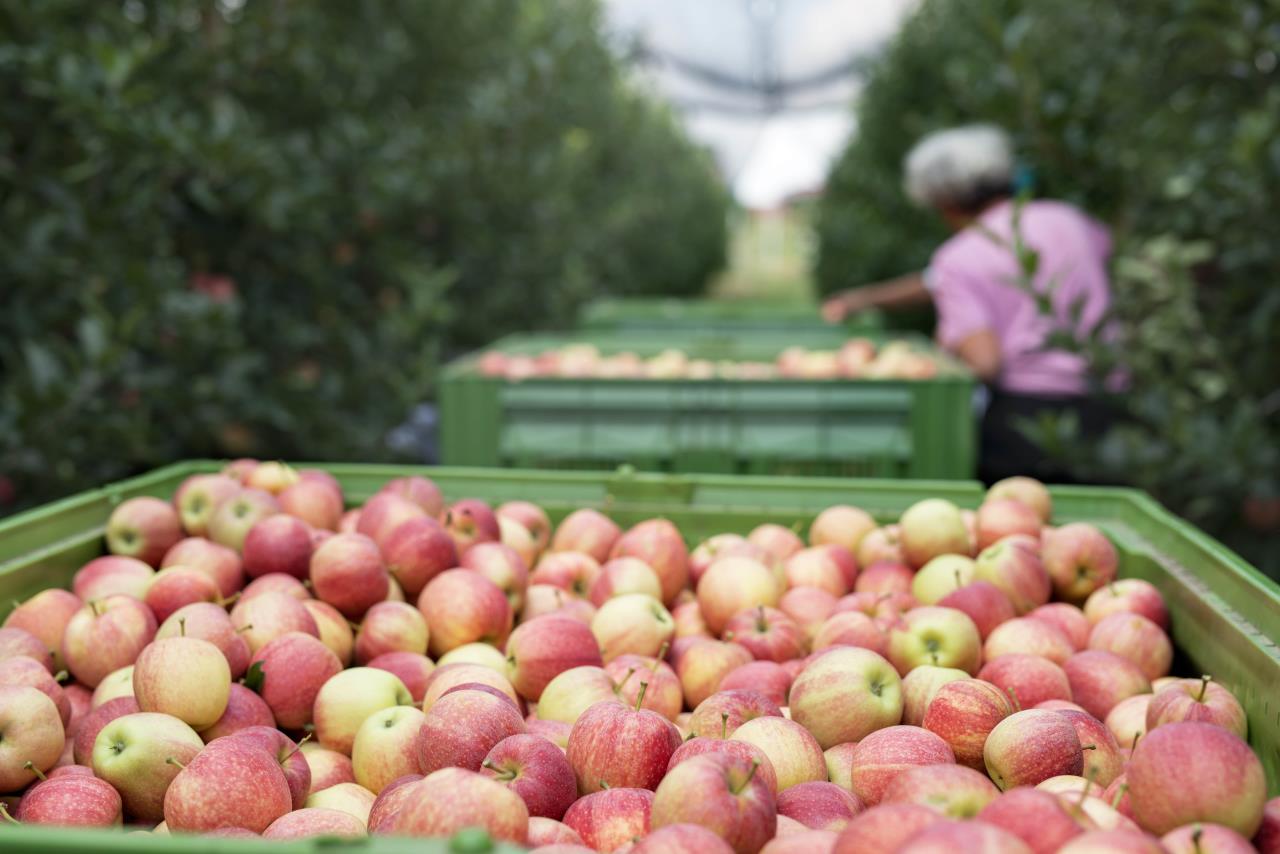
(254, 677)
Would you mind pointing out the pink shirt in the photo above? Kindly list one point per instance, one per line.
(975, 282)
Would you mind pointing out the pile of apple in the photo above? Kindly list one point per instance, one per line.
(958, 681)
(857, 358)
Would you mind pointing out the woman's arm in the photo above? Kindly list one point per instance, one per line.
(904, 291)
(981, 352)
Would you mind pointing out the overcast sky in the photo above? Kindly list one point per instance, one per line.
(766, 156)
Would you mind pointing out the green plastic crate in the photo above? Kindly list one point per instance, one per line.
(641, 314)
(1225, 615)
(843, 428)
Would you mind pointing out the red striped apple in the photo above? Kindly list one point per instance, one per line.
(608, 820)
(199, 496)
(106, 635)
(1129, 595)
(187, 678)
(541, 649)
(846, 694)
(462, 727)
(794, 753)
(1079, 559)
(220, 563)
(1031, 746)
(963, 713)
(234, 517)
(111, 575)
(233, 782)
(1201, 700)
(724, 711)
(884, 754)
(536, 770)
(461, 607)
(134, 753)
(143, 528)
(722, 793)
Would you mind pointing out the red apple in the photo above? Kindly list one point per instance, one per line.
(725, 794)
(845, 694)
(747, 752)
(1112, 842)
(1002, 517)
(1267, 838)
(451, 799)
(329, 768)
(106, 635)
(470, 521)
(532, 517)
(276, 582)
(262, 618)
(573, 572)
(1127, 595)
(1199, 700)
(963, 713)
(954, 791)
(658, 543)
(624, 575)
(385, 512)
(767, 677)
(795, 754)
(315, 822)
(663, 693)
(951, 836)
(1103, 762)
(177, 586)
(545, 647)
(234, 517)
(769, 634)
(420, 490)
(314, 501)
(413, 669)
(1136, 638)
(920, 686)
(1028, 491)
(296, 769)
(943, 637)
(294, 667)
(143, 528)
(588, 531)
(389, 800)
(884, 829)
(842, 525)
(209, 622)
(449, 676)
(930, 528)
(23, 670)
(1017, 571)
(1227, 786)
(279, 543)
(1101, 679)
(390, 627)
(732, 585)
(885, 577)
(808, 606)
(544, 600)
(1029, 636)
(881, 544)
(462, 606)
(985, 604)
(73, 800)
(781, 543)
(816, 567)
(220, 563)
(608, 820)
(704, 664)
(883, 755)
(614, 745)
(674, 839)
(462, 727)
(1127, 720)
(713, 548)
(112, 575)
(1068, 619)
(416, 551)
(1201, 838)
(724, 711)
(45, 616)
(347, 572)
(199, 496)
(187, 678)
(1079, 559)
(536, 770)
(501, 565)
(1037, 818)
(1028, 680)
(1031, 746)
(244, 709)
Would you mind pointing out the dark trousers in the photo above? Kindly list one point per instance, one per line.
(1006, 451)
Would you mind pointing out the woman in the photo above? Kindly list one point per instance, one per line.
(1012, 274)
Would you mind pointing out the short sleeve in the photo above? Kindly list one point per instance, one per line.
(957, 297)
(1099, 239)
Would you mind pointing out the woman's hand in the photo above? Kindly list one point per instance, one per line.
(840, 306)
(901, 292)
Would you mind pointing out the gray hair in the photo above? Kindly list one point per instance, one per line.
(961, 167)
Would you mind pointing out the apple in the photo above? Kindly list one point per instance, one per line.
(930, 528)
(347, 572)
(1068, 619)
(140, 755)
(543, 648)
(608, 820)
(985, 604)
(724, 711)
(573, 572)
(199, 496)
(1017, 571)
(588, 531)
(715, 547)
(448, 677)
(1103, 761)
(385, 747)
(674, 839)
(23, 670)
(884, 754)
(1024, 635)
(884, 829)
(841, 525)
(732, 585)
(105, 635)
(296, 768)
(420, 490)
(963, 713)
(1031, 746)
(1100, 679)
(501, 565)
(187, 678)
(80, 699)
(1127, 720)
(315, 821)
(779, 542)
(704, 664)
(723, 793)
(954, 791)
(209, 622)
(45, 616)
(1201, 838)
(220, 563)
(234, 517)
(144, 528)
(390, 627)
(845, 694)
(73, 800)
(15, 643)
(477, 653)
(768, 633)
(461, 607)
(1026, 490)
(659, 544)
(882, 544)
(940, 576)
(31, 735)
(930, 634)
(748, 752)
(118, 683)
(663, 693)
(634, 623)
(950, 836)
(272, 476)
(1112, 842)
(998, 518)
(452, 799)
(233, 782)
(176, 586)
(276, 582)
(279, 543)
(768, 677)
(315, 502)
(543, 600)
(347, 698)
(388, 802)
(462, 727)
(1127, 595)
(1201, 700)
(294, 666)
(328, 767)
(794, 753)
(244, 709)
(111, 575)
(1028, 680)
(1267, 838)
(385, 512)
(1227, 788)
(350, 521)
(624, 575)
(531, 517)
(614, 745)
(414, 671)
(1036, 817)
(416, 551)
(817, 567)
(808, 606)
(1136, 638)
(470, 521)
(261, 619)
(333, 629)
(516, 536)
(536, 770)
(920, 686)
(1079, 559)
(352, 798)
(885, 577)
(93, 723)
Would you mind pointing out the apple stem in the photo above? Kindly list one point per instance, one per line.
(644, 686)
(761, 625)
(172, 761)
(1120, 790)
(182, 627)
(61, 676)
(1195, 838)
(1204, 686)
(625, 679)
(355, 627)
(246, 627)
(724, 726)
(1013, 695)
(755, 765)
(1088, 784)
(95, 608)
(1134, 745)
(604, 786)
(297, 747)
(662, 654)
(229, 600)
(31, 766)
(727, 637)
(1089, 747)
(4, 813)
(959, 583)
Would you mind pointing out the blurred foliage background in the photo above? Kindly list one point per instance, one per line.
(1163, 119)
(256, 229)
